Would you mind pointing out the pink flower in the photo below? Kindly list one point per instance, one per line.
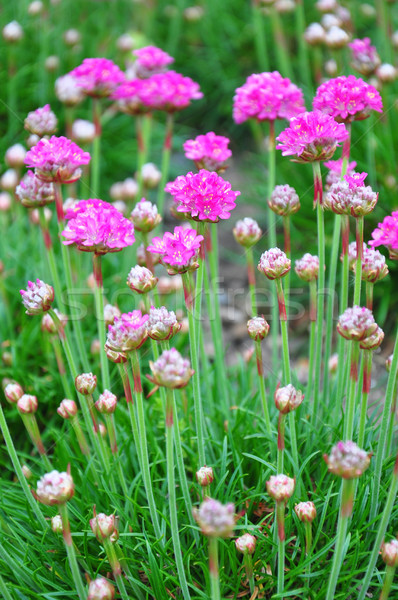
(267, 96)
(150, 60)
(386, 234)
(99, 228)
(364, 56)
(335, 167)
(57, 159)
(209, 151)
(169, 91)
(128, 332)
(41, 121)
(205, 196)
(97, 77)
(32, 192)
(311, 136)
(129, 96)
(347, 99)
(178, 250)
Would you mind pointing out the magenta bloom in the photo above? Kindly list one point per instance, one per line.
(57, 159)
(32, 192)
(178, 250)
(150, 60)
(209, 151)
(267, 96)
(169, 91)
(97, 77)
(128, 332)
(205, 196)
(83, 205)
(129, 96)
(312, 136)
(386, 234)
(347, 99)
(364, 56)
(335, 167)
(98, 227)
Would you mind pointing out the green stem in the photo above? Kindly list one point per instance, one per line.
(213, 564)
(18, 470)
(144, 126)
(80, 436)
(280, 521)
(51, 260)
(286, 229)
(167, 145)
(282, 52)
(115, 566)
(99, 308)
(261, 384)
(305, 69)
(96, 149)
(369, 295)
(146, 473)
(358, 266)
(252, 280)
(367, 372)
(29, 420)
(272, 244)
(69, 392)
(248, 562)
(281, 442)
(63, 511)
(389, 577)
(259, 36)
(353, 380)
(313, 302)
(321, 287)
(170, 418)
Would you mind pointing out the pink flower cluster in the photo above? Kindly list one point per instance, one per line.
(312, 136)
(178, 250)
(364, 56)
(128, 332)
(57, 159)
(32, 192)
(169, 91)
(209, 151)
(99, 227)
(347, 98)
(205, 196)
(386, 234)
(335, 167)
(150, 60)
(41, 121)
(267, 96)
(97, 77)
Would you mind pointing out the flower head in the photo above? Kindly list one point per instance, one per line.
(57, 159)
(86, 383)
(128, 332)
(374, 266)
(257, 328)
(335, 167)
(56, 524)
(13, 392)
(169, 91)
(41, 121)
(312, 136)
(162, 323)
(280, 487)
(145, 216)
(347, 99)
(100, 589)
(307, 267)
(347, 460)
(267, 96)
(171, 370)
(178, 250)
(386, 234)
(215, 519)
(351, 196)
(364, 56)
(389, 553)
(150, 60)
(106, 403)
(205, 476)
(55, 488)
(97, 77)
(68, 91)
(27, 404)
(38, 297)
(373, 341)
(209, 151)
(284, 200)
(110, 312)
(246, 543)
(98, 227)
(151, 175)
(274, 263)
(205, 196)
(67, 409)
(32, 192)
(287, 398)
(102, 526)
(15, 156)
(305, 511)
(356, 323)
(141, 280)
(247, 232)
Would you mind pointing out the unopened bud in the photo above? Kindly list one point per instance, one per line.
(67, 409)
(389, 553)
(280, 487)
(13, 392)
(86, 383)
(287, 398)
(56, 525)
(246, 543)
(27, 404)
(247, 232)
(205, 476)
(106, 402)
(305, 511)
(274, 263)
(257, 328)
(100, 589)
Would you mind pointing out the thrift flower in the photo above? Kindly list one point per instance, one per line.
(13, 392)
(335, 166)
(215, 519)
(280, 487)
(171, 370)
(86, 383)
(386, 234)
(347, 99)
(287, 398)
(145, 216)
(33, 192)
(205, 196)
(247, 232)
(169, 91)
(374, 266)
(246, 543)
(38, 297)
(41, 121)
(389, 553)
(205, 476)
(100, 589)
(128, 332)
(68, 91)
(307, 267)
(102, 526)
(209, 151)
(305, 511)
(284, 200)
(257, 328)
(364, 56)
(141, 280)
(347, 460)
(57, 159)
(55, 488)
(162, 323)
(178, 250)
(274, 263)
(15, 156)
(356, 323)
(351, 196)
(312, 136)
(67, 409)
(373, 341)
(98, 77)
(27, 404)
(106, 402)
(150, 60)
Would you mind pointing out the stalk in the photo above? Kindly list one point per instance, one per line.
(305, 69)
(287, 244)
(80, 436)
(18, 470)
(63, 511)
(259, 36)
(353, 380)
(388, 579)
(143, 128)
(165, 161)
(116, 569)
(248, 562)
(51, 259)
(282, 52)
(29, 420)
(369, 295)
(341, 346)
(213, 565)
(313, 306)
(281, 442)
(358, 266)
(146, 474)
(367, 376)
(272, 244)
(96, 149)
(129, 400)
(99, 307)
(69, 393)
(261, 382)
(170, 416)
(280, 521)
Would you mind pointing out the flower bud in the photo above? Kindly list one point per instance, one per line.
(33, 193)
(247, 232)
(389, 553)
(55, 488)
(356, 323)
(287, 398)
(12, 32)
(41, 121)
(15, 156)
(26, 471)
(51, 63)
(336, 37)
(374, 266)
(71, 37)
(67, 409)
(56, 524)
(68, 91)
(333, 363)
(102, 526)
(38, 297)
(280, 487)
(125, 42)
(106, 403)
(215, 519)
(95, 347)
(35, 8)
(246, 543)
(141, 280)
(274, 263)
(373, 341)
(83, 131)
(307, 268)
(100, 589)
(257, 328)
(110, 312)
(205, 476)
(389, 363)
(284, 200)
(314, 34)
(347, 460)
(5, 201)
(171, 370)
(386, 73)
(151, 175)
(27, 404)
(162, 324)
(305, 511)
(86, 383)
(48, 325)
(115, 357)
(102, 430)
(9, 180)
(145, 216)
(13, 392)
